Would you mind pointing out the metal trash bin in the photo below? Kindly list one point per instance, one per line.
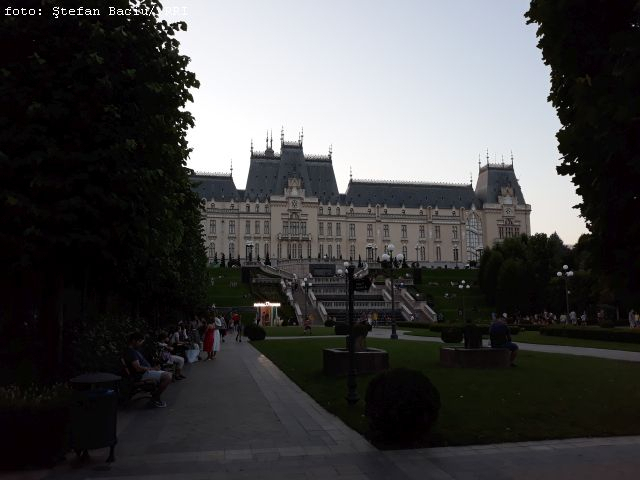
(94, 413)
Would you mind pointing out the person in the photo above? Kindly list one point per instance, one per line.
(167, 356)
(307, 326)
(209, 335)
(237, 326)
(583, 318)
(573, 318)
(142, 369)
(501, 338)
(216, 336)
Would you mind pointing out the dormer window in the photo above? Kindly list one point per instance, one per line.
(328, 210)
(403, 212)
(337, 210)
(320, 211)
(247, 208)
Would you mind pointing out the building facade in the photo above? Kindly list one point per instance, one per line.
(291, 209)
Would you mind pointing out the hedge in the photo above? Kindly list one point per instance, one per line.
(593, 333)
(413, 325)
(439, 327)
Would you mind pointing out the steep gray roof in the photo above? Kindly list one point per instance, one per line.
(491, 179)
(214, 186)
(409, 194)
(269, 173)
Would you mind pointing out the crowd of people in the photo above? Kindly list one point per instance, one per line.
(162, 360)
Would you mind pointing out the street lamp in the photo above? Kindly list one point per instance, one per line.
(306, 285)
(462, 286)
(352, 393)
(566, 273)
(391, 260)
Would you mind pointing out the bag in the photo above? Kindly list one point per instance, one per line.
(192, 354)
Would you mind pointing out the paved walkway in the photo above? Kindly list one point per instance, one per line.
(239, 417)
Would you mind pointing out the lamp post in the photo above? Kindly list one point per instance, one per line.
(306, 285)
(566, 273)
(391, 260)
(462, 286)
(352, 393)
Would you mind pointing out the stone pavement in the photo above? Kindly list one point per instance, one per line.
(239, 417)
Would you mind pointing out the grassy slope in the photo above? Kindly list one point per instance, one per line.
(547, 396)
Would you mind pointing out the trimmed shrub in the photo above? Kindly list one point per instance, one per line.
(452, 335)
(255, 332)
(341, 328)
(401, 404)
(627, 335)
(329, 323)
(439, 327)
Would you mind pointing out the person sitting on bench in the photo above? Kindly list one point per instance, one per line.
(501, 338)
(143, 370)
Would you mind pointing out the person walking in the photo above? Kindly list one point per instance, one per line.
(209, 337)
(217, 338)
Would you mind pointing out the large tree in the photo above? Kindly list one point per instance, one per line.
(95, 192)
(593, 49)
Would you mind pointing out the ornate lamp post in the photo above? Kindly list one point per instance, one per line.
(352, 394)
(566, 273)
(306, 285)
(388, 258)
(462, 286)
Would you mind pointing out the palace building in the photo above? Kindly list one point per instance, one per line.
(291, 209)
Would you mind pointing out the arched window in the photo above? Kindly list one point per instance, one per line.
(352, 252)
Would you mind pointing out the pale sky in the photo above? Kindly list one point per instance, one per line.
(402, 89)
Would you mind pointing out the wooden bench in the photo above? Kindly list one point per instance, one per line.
(130, 386)
(475, 357)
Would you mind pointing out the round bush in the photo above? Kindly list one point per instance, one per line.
(401, 404)
(329, 323)
(255, 332)
(451, 335)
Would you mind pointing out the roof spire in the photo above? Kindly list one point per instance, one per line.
(350, 174)
(330, 150)
(271, 144)
(267, 141)
(281, 135)
(502, 160)
(301, 135)
(252, 146)
(512, 158)
(487, 156)
(232, 160)
(478, 162)
(471, 178)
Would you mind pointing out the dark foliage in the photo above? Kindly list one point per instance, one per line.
(255, 332)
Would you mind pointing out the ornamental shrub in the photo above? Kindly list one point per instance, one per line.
(255, 332)
(401, 404)
(452, 335)
(329, 323)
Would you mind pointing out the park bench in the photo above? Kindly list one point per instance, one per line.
(130, 386)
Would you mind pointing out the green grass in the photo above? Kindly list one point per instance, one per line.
(297, 331)
(223, 293)
(546, 396)
(535, 337)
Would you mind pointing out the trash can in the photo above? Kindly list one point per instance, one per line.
(94, 413)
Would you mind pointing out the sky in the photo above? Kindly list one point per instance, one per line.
(401, 89)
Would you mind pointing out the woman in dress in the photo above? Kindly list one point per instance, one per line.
(216, 336)
(209, 340)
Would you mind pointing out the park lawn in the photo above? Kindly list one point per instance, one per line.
(547, 396)
(537, 338)
(226, 288)
(297, 331)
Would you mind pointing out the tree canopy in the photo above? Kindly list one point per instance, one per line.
(95, 192)
(593, 49)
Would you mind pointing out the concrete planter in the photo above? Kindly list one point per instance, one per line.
(475, 357)
(335, 361)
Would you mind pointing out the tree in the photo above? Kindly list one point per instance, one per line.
(97, 203)
(593, 49)
(222, 261)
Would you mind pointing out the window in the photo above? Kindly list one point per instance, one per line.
(303, 228)
(294, 251)
(438, 254)
(437, 232)
(299, 250)
(328, 210)
(247, 208)
(232, 227)
(320, 211)
(338, 229)
(352, 230)
(211, 251)
(329, 229)
(422, 253)
(321, 250)
(369, 230)
(247, 227)
(266, 249)
(385, 229)
(337, 210)
(257, 227)
(330, 251)
(404, 231)
(338, 252)
(308, 250)
(454, 232)
(257, 208)
(455, 255)
(285, 228)
(257, 248)
(212, 227)
(352, 252)
(421, 231)
(279, 250)
(404, 252)
(266, 208)
(266, 227)
(232, 250)
(436, 213)
(288, 250)
(321, 229)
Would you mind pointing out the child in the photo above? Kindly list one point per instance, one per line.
(307, 326)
